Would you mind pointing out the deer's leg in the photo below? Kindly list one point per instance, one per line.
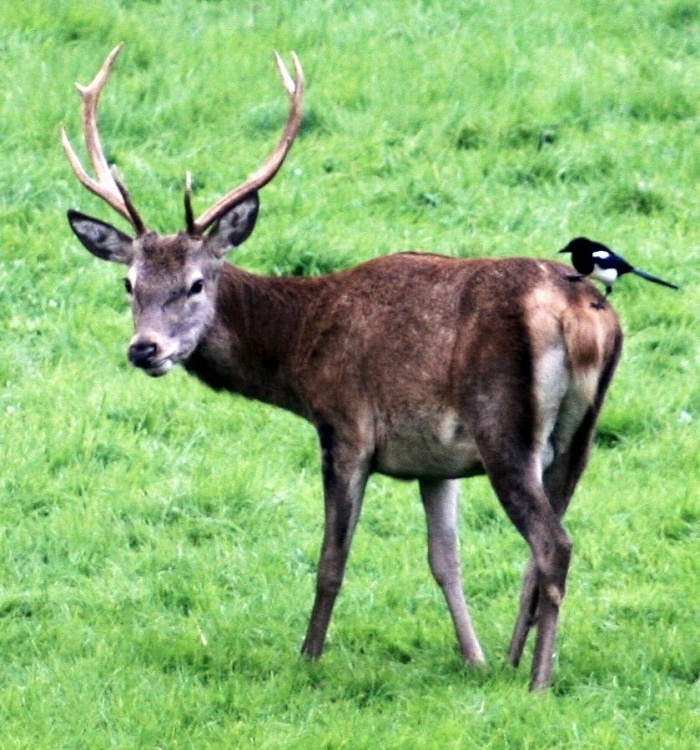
(522, 495)
(560, 480)
(544, 588)
(344, 480)
(526, 614)
(529, 596)
(440, 499)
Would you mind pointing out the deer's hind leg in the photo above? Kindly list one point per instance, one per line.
(514, 470)
(527, 614)
(559, 481)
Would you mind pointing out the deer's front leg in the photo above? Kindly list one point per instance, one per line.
(440, 499)
(345, 475)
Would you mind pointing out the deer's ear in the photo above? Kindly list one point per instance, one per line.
(236, 225)
(102, 239)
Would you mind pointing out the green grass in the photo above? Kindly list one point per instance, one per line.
(159, 542)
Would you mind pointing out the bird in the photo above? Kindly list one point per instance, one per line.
(595, 260)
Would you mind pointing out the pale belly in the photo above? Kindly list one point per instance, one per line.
(439, 448)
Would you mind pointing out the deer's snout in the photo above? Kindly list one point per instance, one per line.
(143, 353)
(151, 354)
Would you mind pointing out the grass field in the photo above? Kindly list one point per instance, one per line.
(158, 542)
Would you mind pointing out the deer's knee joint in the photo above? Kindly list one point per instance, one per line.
(563, 551)
(553, 566)
(444, 571)
(329, 583)
(443, 557)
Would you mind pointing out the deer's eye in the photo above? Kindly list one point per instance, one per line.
(128, 287)
(196, 288)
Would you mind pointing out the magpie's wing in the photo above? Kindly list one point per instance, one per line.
(607, 259)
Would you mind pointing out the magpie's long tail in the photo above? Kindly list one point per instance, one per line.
(655, 279)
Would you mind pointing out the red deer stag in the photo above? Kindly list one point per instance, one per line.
(415, 366)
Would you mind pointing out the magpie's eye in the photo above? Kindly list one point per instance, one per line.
(128, 287)
(196, 288)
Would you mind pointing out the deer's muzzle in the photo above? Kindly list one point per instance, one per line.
(148, 356)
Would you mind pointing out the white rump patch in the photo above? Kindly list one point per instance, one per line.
(552, 381)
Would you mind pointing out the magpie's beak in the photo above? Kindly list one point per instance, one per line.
(565, 250)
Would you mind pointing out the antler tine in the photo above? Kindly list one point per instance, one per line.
(133, 214)
(295, 90)
(105, 186)
(189, 215)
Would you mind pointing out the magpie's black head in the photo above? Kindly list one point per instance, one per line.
(581, 245)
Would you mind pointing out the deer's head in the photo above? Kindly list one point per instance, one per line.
(172, 280)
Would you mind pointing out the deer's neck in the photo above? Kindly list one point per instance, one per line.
(249, 347)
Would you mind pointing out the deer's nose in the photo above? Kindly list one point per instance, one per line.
(142, 353)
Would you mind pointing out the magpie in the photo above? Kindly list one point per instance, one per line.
(593, 259)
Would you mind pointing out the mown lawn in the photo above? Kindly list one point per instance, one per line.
(159, 542)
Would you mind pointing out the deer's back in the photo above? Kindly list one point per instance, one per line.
(419, 354)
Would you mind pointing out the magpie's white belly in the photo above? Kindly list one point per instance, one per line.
(605, 275)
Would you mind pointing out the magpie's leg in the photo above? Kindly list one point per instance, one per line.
(600, 305)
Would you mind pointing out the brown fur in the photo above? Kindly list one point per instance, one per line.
(425, 367)
(415, 366)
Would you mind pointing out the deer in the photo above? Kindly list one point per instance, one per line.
(416, 366)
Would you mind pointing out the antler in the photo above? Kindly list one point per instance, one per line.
(259, 178)
(107, 186)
